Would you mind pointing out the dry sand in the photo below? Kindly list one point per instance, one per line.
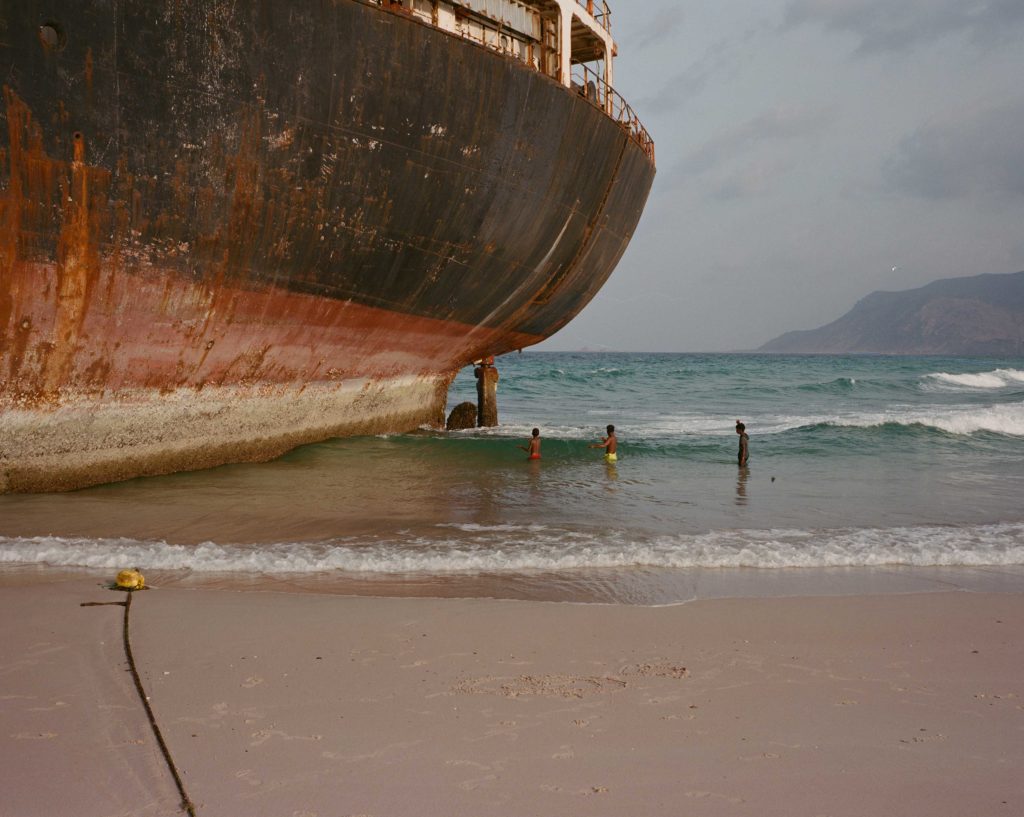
(300, 704)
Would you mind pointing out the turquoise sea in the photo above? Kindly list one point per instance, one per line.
(873, 473)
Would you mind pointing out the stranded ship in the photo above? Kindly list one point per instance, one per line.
(231, 228)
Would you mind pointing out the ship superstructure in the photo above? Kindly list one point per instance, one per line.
(227, 229)
(569, 40)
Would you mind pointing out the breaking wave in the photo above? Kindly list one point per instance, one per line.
(512, 548)
(996, 379)
(999, 419)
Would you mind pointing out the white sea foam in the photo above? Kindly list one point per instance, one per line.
(1005, 418)
(502, 548)
(475, 526)
(996, 379)
(560, 432)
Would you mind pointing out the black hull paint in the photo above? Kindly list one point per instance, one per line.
(332, 148)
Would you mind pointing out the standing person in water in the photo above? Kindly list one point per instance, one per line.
(744, 453)
(610, 445)
(533, 448)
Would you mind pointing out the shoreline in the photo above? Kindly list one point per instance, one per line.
(319, 704)
(643, 587)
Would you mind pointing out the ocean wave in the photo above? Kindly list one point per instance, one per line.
(655, 432)
(495, 549)
(1006, 418)
(996, 379)
(1000, 419)
(583, 375)
(839, 384)
(518, 431)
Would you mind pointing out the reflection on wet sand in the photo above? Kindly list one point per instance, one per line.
(741, 485)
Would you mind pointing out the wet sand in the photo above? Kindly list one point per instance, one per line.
(307, 704)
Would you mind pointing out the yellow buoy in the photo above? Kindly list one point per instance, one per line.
(130, 580)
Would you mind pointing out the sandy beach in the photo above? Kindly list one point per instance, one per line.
(305, 704)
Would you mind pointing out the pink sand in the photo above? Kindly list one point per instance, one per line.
(299, 704)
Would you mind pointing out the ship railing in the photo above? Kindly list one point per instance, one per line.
(495, 36)
(592, 87)
(477, 28)
(601, 13)
(585, 80)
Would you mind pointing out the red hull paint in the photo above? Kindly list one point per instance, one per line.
(153, 330)
(180, 376)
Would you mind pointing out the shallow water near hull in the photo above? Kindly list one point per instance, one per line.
(859, 466)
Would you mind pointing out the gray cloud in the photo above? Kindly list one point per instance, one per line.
(754, 178)
(778, 124)
(892, 25)
(679, 88)
(661, 26)
(685, 84)
(981, 155)
(718, 62)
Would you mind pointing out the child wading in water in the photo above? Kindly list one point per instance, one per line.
(533, 449)
(744, 453)
(610, 445)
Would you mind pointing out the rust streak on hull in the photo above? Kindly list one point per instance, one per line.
(77, 271)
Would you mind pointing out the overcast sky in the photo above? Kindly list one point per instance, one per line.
(805, 148)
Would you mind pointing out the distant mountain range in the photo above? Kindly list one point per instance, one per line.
(979, 316)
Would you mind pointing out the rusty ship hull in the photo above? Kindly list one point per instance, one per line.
(231, 228)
